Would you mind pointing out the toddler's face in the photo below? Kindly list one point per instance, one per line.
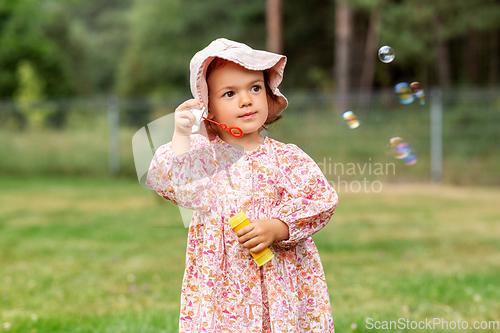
(237, 97)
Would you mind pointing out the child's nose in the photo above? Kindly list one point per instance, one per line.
(245, 100)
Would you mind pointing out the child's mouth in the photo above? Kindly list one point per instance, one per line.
(248, 115)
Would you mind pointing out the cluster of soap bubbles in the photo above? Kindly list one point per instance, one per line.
(406, 94)
(401, 150)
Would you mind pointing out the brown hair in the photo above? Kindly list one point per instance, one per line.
(271, 97)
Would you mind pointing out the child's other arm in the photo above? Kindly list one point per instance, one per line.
(308, 201)
(184, 121)
(258, 235)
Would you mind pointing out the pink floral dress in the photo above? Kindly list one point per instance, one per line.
(223, 289)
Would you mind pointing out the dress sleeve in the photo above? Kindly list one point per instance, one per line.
(308, 201)
(184, 179)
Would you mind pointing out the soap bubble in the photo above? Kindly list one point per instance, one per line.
(415, 87)
(419, 93)
(411, 159)
(386, 54)
(407, 93)
(350, 119)
(404, 93)
(401, 150)
(397, 148)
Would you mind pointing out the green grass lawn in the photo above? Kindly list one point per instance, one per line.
(105, 255)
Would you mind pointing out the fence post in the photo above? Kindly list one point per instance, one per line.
(114, 135)
(436, 135)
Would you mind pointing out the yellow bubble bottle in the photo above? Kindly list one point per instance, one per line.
(239, 221)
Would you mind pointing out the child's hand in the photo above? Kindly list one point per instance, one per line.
(185, 119)
(258, 235)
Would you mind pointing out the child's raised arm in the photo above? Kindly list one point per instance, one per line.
(184, 179)
(184, 121)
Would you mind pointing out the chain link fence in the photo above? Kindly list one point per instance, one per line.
(93, 137)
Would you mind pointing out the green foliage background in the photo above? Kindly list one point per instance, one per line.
(143, 47)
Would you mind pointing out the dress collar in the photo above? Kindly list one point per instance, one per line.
(258, 149)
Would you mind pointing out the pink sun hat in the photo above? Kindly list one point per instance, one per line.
(244, 56)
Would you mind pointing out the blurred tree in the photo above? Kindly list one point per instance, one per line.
(274, 26)
(142, 48)
(308, 43)
(30, 95)
(370, 46)
(437, 40)
(343, 36)
(100, 27)
(494, 63)
(22, 38)
(91, 36)
(165, 34)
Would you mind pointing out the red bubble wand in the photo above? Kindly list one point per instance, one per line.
(230, 129)
(233, 130)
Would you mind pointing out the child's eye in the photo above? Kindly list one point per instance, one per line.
(256, 88)
(229, 94)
